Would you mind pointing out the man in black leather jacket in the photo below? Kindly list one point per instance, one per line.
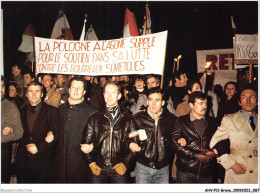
(195, 163)
(153, 152)
(108, 131)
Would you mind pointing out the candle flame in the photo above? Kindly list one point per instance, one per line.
(179, 57)
(208, 65)
(175, 59)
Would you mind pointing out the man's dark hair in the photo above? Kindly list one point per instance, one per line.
(19, 66)
(177, 75)
(30, 73)
(248, 87)
(191, 82)
(139, 77)
(48, 75)
(78, 78)
(155, 90)
(34, 83)
(153, 76)
(197, 95)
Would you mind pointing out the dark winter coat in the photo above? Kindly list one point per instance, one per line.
(69, 165)
(39, 163)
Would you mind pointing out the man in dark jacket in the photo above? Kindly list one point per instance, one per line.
(108, 131)
(35, 152)
(195, 163)
(69, 165)
(154, 152)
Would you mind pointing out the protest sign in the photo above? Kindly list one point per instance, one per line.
(222, 64)
(133, 55)
(246, 49)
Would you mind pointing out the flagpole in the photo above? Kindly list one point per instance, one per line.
(250, 73)
(161, 86)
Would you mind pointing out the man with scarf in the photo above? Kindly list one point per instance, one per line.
(108, 131)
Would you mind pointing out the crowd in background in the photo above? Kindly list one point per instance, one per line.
(133, 89)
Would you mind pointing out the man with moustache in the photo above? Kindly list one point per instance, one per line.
(108, 131)
(195, 163)
(241, 128)
(69, 165)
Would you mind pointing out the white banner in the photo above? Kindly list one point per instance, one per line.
(133, 55)
(222, 64)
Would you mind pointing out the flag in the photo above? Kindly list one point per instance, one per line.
(61, 29)
(27, 43)
(89, 35)
(147, 26)
(130, 27)
(233, 25)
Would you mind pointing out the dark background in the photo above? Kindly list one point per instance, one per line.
(191, 25)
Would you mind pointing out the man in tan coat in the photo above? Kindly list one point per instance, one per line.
(52, 96)
(241, 128)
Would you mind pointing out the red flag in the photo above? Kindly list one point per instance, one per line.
(130, 27)
(61, 29)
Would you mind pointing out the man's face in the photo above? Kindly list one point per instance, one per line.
(230, 90)
(111, 95)
(15, 70)
(2, 89)
(248, 100)
(155, 102)
(60, 79)
(34, 94)
(76, 91)
(47, 82)
(183, 80)
(102, 81)
(124, 78)
(139, 84)
(27, 79)
(199, 108)
(12, 91)
(152, 82)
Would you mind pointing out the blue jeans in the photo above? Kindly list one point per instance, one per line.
(147, 175)
(109, 175)
(183, 177)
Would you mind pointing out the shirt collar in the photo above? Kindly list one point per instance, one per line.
(247, 117)
(192, 117)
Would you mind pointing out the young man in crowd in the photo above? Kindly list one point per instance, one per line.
(27, 78)
(52, 96)
(35, 150)
(153, 156)
(241, 128)
(141, 104)
(11, 130)
(69, 165)
(108, 132)
(17, 74)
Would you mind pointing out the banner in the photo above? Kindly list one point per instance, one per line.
(246, 49)
(133, 55)
(222, 64)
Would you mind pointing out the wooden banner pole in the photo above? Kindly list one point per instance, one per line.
(250, 73)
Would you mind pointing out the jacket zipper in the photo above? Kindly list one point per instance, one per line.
(200, 143)
(155, 138)
(110, 135)
(200, 147)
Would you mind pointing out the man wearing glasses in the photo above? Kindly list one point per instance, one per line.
(241, 128)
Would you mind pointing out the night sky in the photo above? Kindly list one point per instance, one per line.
(191, 25)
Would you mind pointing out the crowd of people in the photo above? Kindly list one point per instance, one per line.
(126, 129)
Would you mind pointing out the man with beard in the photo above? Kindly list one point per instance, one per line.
(70, 166)
(11, 130)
